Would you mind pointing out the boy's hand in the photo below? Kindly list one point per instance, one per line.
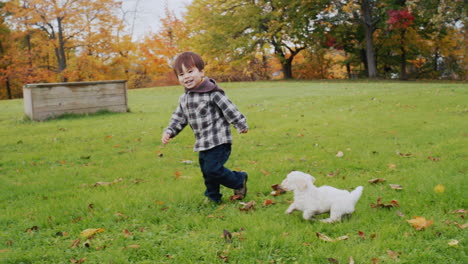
(166, 137)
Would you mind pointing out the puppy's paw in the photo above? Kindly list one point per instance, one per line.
(328, 220)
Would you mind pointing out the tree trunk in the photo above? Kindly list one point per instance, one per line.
(369, 27)
(60, 51)
(403, 75)
(287, 68)
(8, 88)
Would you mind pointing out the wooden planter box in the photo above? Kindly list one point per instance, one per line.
(48, 100)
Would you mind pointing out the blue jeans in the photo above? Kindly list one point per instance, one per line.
(215, 174)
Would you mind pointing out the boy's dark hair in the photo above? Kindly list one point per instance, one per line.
(189, 60)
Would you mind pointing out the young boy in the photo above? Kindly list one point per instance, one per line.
(209, 112)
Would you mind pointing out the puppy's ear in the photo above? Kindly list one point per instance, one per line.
(302, 185)
(312, 179)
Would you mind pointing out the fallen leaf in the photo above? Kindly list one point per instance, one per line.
(404, 154)
(236, 197)
(400, 214)
(375, 261)
(351, 260)
(132, 246)
(75, 243)
(247, 206)
(453, 243)
(127, 233)
(340, 154)
(461, 226)
(90, 232)
(177, 174)
(4, 250)
(267, 202)
(323, 237)
(434, 159)
(439, 188)
(420, 222)
(334, 261)
(227, 236)
(376, 180)
(82, 260)
(391, 166)
(32, 229)
(393, 255)
(277, 190)
(460, 211)
(396, 186)
(379, 204)
(328, 239)
(361, 234)
(265, 172)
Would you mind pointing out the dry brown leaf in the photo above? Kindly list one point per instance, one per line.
(177, 174)
(334, 261)
(265, 172)
(396, 186)
(227, 236)
(236, 197)
(82, 260)
(461, 226)
(393, 255)
(391, 166)
(76, 243)
(379, 204)
(328, 239)
(277, 190)
(434, 159)
(268, 202)
(376, 180)
(420, 222)
(132, 246)
(127, 233)
(460, 211)
(247, 206)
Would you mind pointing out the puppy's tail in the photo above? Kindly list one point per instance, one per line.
(356, 194)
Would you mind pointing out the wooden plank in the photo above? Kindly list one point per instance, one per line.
(40, 116)
(63, 104)
(27, 101)
(77, 91)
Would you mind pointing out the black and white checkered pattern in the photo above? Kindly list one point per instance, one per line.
(209, 115)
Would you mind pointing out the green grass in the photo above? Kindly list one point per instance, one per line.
(48, 169)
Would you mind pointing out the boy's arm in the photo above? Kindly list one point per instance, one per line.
(230, 112)
(176, 124)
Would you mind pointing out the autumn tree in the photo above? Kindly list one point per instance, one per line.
(67, 24)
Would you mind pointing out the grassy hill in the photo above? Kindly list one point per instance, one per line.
(110, 171)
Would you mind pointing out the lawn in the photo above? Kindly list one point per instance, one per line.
(109, 172)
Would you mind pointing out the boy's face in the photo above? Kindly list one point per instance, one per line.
(190, 78)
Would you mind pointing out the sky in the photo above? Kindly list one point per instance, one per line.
(149, 12)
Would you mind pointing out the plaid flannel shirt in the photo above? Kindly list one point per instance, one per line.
(209, 115)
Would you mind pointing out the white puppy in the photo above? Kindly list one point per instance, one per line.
(312, 200)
